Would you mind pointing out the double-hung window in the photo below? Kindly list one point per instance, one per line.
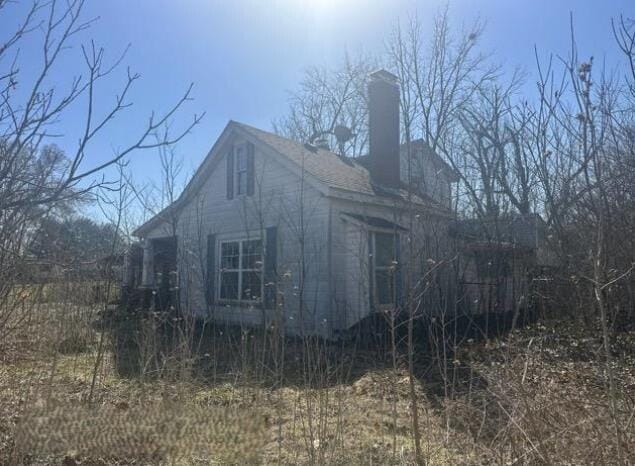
(384, 264)
(241, 169)
(241, 270)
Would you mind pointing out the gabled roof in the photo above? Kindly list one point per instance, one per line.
(346, 174)
(326, 167)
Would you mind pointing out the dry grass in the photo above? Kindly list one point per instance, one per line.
(546, 400)
(136, 421)
(535, 397)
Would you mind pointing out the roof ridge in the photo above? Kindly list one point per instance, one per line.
(279, 136)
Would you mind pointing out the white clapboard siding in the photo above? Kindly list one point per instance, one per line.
(282, 199)
(322, 254)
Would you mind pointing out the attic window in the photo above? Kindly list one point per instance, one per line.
(241, 170)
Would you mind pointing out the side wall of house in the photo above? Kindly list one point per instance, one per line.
(350, 254)
(282, 199)
(428, 176)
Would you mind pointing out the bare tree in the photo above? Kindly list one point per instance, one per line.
(328, 98)
(36, 177)
(26, 123)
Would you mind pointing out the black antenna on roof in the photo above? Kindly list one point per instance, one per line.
(343, 134)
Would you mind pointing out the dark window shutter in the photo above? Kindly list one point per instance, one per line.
(230, 175)
(211, 269)
(271, 264)
(398, 269)
(250, 169)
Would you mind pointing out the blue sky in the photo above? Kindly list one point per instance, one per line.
(245, 55)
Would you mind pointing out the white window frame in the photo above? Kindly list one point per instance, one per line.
(240, 240)
(390, 268)
(241, 153)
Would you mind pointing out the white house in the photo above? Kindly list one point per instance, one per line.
(270, 231)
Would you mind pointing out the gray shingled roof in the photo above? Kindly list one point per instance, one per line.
(325, 165)
(330, 168)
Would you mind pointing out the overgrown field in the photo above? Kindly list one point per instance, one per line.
(536, 396)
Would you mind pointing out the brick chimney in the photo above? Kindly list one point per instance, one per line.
(383, 111)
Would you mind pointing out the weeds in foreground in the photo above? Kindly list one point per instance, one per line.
(534, 396)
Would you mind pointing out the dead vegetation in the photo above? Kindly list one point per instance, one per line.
(535, 396)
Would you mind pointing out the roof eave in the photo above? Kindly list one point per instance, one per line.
(398, 202)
